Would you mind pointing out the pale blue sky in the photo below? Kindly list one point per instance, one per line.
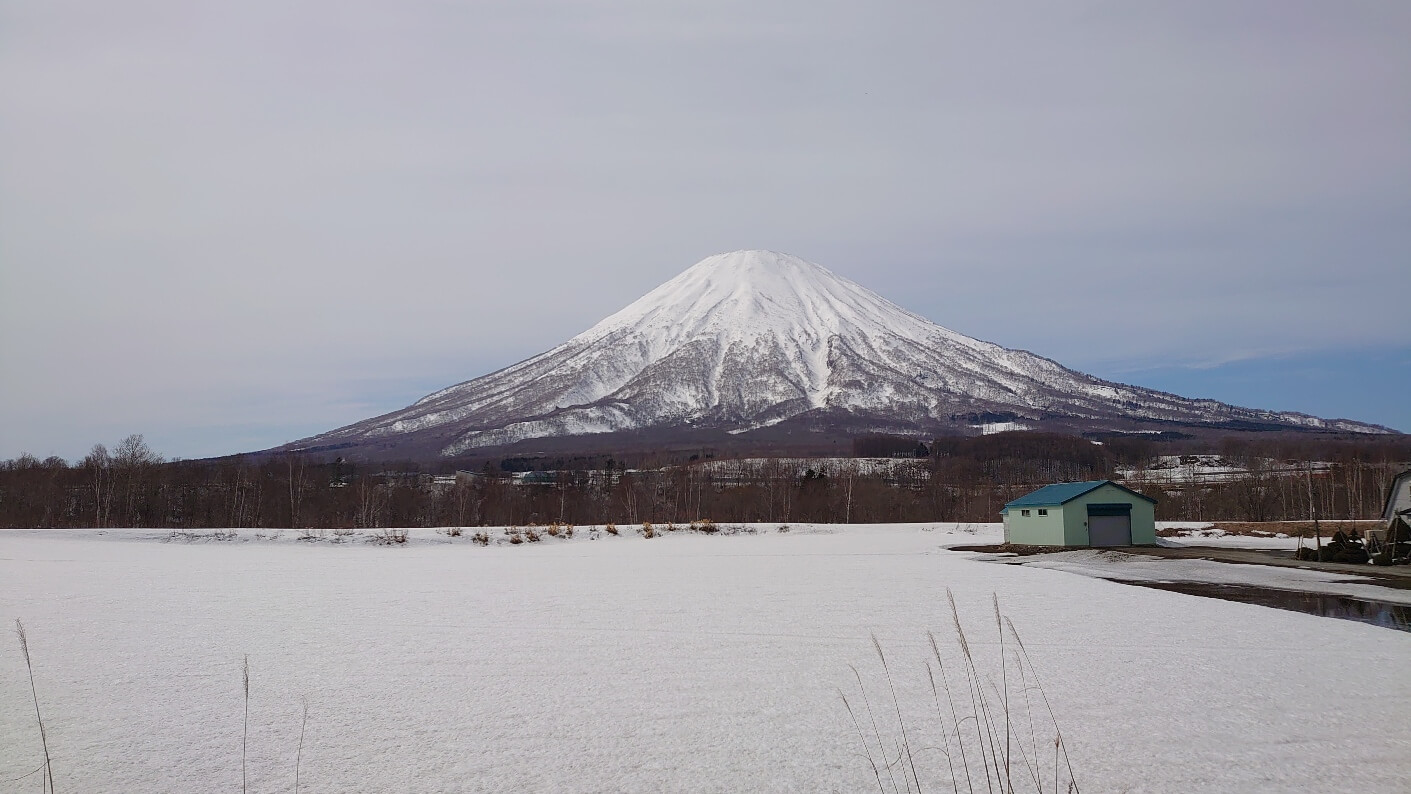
(228, 225)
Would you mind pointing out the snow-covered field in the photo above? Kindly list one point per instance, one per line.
(680, 663)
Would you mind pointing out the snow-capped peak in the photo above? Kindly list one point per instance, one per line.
(754, 292)
(747, 339)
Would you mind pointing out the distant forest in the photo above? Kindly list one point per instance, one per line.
(947, 479)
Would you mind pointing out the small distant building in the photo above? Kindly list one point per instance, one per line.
(536, 478)
(1094, 513)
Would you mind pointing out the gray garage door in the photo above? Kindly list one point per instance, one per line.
(1110, 525)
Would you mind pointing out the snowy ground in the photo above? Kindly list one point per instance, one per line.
(680, 663)
(1219, 539)
(1203, 533)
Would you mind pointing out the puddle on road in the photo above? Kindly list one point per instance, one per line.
(1378, 613)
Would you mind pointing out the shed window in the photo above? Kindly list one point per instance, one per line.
(1043, 511)
(1023, 512)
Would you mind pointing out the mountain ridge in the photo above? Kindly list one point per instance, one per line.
(749, 339)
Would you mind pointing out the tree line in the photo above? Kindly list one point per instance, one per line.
(960, 479)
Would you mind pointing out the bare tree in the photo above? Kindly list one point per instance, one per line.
(297, 483)
(99, 466)
(132, 464)
(371, 501)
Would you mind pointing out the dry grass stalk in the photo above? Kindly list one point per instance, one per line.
(48, 776)
(979, 757)
(905, 740)
(47, 768)
(299, 756)
(876, 773)
(245, 733)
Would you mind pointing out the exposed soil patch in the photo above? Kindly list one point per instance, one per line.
(1269, 529)
(1020, 550)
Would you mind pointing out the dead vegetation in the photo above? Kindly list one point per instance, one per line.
(390, 537)
(997, 729)
(193, 536)
(533, 533)
(1269, 529)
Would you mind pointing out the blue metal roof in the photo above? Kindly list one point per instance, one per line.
(1059, 493)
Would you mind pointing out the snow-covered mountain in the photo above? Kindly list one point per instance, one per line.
(750, 339)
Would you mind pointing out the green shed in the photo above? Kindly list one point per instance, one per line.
(1094, 513)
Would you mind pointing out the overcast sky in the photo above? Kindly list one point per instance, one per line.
(229, 225)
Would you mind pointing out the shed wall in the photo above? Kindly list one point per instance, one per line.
(1075, 524)
(1034, 529)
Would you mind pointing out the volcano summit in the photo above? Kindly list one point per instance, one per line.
(751, 342)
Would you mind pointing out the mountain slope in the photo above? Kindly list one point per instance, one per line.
(748, 339)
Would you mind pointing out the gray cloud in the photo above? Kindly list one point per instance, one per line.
(275, 218)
